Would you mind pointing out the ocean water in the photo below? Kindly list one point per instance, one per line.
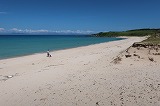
(20, 45)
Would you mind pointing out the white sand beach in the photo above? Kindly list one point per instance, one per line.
(83, 76)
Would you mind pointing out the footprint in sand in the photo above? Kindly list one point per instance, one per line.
(43, 99)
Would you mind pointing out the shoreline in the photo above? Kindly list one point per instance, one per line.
(52, 51)
(83, 76)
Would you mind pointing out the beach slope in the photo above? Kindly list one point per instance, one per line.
(83, 76)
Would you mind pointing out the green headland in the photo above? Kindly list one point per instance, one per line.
(153, 34)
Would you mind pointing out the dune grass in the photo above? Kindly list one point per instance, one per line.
(153, 39)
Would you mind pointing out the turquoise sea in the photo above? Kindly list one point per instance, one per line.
(20, 45)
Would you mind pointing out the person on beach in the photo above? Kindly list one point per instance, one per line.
(48, 54)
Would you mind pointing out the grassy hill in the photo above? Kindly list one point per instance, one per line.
(136, 32)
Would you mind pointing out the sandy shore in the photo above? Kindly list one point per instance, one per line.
(84, 76)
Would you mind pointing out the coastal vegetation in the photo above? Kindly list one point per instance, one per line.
(153, 35)
(153, 39)
(136, 32)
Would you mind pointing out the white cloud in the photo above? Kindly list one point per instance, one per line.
(2, 29)
(73, 32)
(28, 30)
(16, 30)
(44, 31)
(36, 31)
(1, 12)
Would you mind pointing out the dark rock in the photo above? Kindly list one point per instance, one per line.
(128, 55)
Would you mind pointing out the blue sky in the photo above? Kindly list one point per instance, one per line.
(77, 16)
